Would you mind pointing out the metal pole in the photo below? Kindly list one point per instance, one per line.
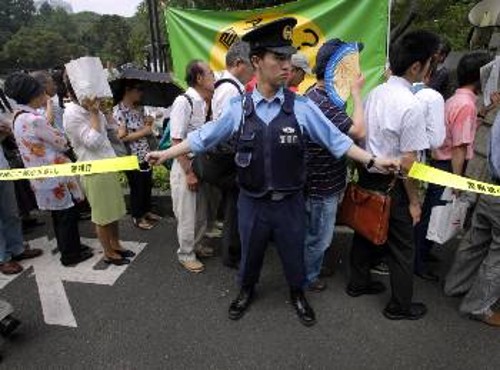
(151, 5)
(159, 43)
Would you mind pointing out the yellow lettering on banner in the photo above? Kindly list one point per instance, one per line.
(72, 169)
(432, 175)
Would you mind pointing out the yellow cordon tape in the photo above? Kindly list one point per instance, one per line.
(72, 169)
(418, 171)
(432, 175)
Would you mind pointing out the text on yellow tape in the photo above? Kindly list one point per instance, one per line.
(72, 169)
(432, 175)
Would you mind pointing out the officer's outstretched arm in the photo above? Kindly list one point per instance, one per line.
(158, 157)
(362, 156)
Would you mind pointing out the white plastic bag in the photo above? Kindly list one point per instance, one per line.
(447, 221)
(88, 78)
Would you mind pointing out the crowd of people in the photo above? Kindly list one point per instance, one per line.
(271, 164)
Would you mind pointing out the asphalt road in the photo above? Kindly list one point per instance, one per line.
(159, 316)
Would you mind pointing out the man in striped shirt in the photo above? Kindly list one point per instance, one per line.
(326, 176)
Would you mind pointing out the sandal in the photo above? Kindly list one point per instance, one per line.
(150, 216)
(143, 224)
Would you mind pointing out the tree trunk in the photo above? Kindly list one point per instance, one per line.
(410, 16)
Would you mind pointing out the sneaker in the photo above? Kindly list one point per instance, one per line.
(415, 312)
(380, 269)
(193, 266)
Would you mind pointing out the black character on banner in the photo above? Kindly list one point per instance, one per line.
(253, 23)
(312, 39)
(228, 37)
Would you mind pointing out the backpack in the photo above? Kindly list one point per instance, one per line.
(217, 167)
(166, 140)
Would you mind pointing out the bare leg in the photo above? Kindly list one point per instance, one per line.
(115, 237)
(104, 234)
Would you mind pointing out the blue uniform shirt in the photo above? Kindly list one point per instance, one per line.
(309, 116)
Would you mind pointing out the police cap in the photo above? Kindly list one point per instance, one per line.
(275, 36)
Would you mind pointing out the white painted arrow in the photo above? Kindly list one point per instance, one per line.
(50, 274)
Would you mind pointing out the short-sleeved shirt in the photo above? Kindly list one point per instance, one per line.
(461, 124)
(185, 118)
(395, 122)
(224, 93)
(433, 106)
(133, 118)
(326, 175)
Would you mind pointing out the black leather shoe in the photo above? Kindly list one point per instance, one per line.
(415, 312)
(374, 287)
(8, 325)
(240, 305)
(428, 276)
(304, 311)
(83, 256)
(85, 248)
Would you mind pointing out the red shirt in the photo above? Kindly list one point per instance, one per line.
(461, 124)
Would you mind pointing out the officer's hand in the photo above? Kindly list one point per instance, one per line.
(192, 181)
(387, 165)
(157, 157)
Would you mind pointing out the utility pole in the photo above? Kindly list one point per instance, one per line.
(158, 53)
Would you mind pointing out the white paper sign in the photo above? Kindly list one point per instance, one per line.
(490, 79)
(88, 78)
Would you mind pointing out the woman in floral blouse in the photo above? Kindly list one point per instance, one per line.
(40, 144)
(134, 130)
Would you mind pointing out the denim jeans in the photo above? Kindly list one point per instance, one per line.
(320, 224)
(11, 237)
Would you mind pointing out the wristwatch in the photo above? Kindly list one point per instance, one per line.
(371, 163)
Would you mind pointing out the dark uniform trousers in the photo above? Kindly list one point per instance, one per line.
(263, 219)
(231, 247)
(399, 249)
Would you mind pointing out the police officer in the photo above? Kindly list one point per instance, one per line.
(269, 126)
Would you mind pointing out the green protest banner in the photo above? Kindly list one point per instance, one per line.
(207, 35)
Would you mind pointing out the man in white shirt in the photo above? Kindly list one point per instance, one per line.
(189, 112)
(239, 71)
(395, 128)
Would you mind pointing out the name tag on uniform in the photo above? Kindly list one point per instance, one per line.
(289, 136)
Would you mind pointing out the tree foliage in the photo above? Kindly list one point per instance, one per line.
(31, 39)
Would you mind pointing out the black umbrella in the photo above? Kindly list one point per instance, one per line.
(160, 90)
